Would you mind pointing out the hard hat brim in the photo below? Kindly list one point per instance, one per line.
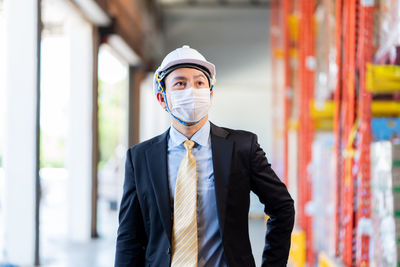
(207, 65)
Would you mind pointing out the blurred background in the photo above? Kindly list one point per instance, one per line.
(317, 80)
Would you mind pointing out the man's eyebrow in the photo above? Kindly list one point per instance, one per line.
(179, 78)
(199, 75)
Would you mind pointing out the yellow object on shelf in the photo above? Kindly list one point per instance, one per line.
(323, 115)
(385, 108)
(293, 53)
(322, 111)
(293, 23)
(325, 111)
(293, 124)
(323, 125)
(325, 261)
(382, 78)
(278, 53)
(297, 254)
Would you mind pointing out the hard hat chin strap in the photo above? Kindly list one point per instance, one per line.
(212, 85)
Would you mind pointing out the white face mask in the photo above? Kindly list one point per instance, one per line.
(190, 105)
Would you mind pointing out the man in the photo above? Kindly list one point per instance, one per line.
(186, 191)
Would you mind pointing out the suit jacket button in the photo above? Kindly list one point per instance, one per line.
(169, 251)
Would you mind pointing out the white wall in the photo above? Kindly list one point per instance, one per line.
(236, 109)
(153, 119)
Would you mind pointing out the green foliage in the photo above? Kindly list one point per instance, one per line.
(52, 151)
(112, 122)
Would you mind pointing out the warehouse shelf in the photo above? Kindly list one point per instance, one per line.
(330, 79)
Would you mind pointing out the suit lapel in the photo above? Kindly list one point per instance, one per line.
(222, 154)
(156, 157)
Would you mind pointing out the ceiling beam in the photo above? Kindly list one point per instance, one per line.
(136, 22)
(218, 4)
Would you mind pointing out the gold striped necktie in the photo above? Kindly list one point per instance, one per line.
(184, 230)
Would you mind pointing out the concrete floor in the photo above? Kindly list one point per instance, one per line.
(100, 252)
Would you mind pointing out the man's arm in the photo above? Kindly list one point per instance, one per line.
(279, 206)
(131, 239)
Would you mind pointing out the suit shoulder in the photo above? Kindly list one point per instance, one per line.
(142, 146)
(239, 133)
(233, 134)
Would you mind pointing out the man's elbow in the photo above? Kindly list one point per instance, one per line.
(129, 254)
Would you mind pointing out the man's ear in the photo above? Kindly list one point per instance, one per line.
(161, 100)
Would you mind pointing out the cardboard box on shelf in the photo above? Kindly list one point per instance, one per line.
(396, 152)
(396, 202)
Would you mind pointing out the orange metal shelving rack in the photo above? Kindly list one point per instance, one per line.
(352, 129)
(351, 119)
(277, 76)
(288, 91)
(306, 129)
(298, 58)
(347, 118)
(336, 117)
(364, 56)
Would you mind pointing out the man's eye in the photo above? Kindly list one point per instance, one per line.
(200, 83)
(178, 84)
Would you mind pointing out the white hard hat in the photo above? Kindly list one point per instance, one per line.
(181, 56)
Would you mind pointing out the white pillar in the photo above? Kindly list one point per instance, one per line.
(153, 119)
(79, 141)
(21, 143)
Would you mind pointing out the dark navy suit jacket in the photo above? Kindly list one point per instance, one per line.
(240, 165)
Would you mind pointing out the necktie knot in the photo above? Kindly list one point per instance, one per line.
(188, 144)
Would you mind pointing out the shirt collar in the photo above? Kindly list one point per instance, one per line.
(201, 137)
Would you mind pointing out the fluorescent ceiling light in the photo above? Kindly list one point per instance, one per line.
(94, 12)
(123, 49)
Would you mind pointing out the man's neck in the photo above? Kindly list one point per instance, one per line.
(188, 131)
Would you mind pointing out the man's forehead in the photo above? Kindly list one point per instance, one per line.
(184, 73)
(180, 77)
